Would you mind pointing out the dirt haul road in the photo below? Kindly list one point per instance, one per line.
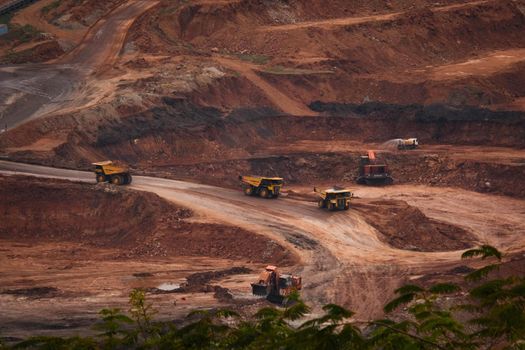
(343, 258)
(32, 91)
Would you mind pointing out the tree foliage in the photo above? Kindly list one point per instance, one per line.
(489, 315)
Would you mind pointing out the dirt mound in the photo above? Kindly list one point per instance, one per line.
(200, 283)
(38, 53)
(406, 227)
(135, 224)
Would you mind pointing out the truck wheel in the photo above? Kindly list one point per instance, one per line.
(117, 180)
(101, 178)
(347, 206)
(331, 206)
(248, 190)
(129, 179)
(321, 204)
(264, 193)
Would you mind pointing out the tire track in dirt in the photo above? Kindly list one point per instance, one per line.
(342, 256)
(62, 84)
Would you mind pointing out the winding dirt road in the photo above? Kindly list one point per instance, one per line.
(343, 258)
(32, 91)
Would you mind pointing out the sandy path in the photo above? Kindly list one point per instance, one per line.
(32, 91)
(489, 64)
(104, 41)
(276, 96)
(347, 21)
(344, 260)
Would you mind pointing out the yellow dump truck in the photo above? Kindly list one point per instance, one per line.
(334, 198)
(107, 171)
(412, 143)
(265, 187)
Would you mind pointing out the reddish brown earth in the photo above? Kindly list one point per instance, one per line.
(139, 225)
(77, 247)
(207, 90)
(46, 30)
(345, 258)
(351, 53)
(406, 227)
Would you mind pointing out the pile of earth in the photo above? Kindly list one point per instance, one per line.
(134, 224)
(41, 52)
(406, 227)
(201, 282)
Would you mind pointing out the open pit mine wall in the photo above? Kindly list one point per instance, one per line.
(10, 6)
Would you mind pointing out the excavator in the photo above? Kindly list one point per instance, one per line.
(276, 287)
(372, 171)
(107, 171)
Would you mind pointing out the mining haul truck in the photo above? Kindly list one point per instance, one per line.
(276, 287)
(408, 144)
(107, 171)
(265, 187)
(373, 172)
(335, 198)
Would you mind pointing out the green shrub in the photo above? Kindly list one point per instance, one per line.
(495, 310)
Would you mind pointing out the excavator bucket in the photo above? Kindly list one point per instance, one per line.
(259, 289)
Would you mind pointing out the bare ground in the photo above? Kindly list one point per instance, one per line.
(174, 95)
(344, 257)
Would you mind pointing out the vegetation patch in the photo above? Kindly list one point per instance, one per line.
(48, 8)
(6, 18)
(489, 314)
(281, 70)
(254, 58)
(20, 34)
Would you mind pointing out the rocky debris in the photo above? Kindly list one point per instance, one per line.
(199, 283)
(138, 63)
(197, 280)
